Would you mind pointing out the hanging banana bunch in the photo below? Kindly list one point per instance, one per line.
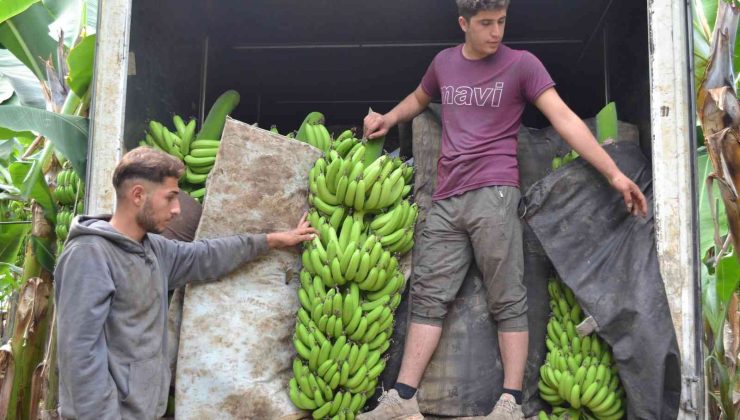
(69, 194)
(579, 379)
(350, 282)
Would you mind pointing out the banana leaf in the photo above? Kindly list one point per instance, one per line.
(27, 36)
(9, 134)
(80, 63)
(29, 179)
(23, 82)
(712, 310)
(728, 277)
(9, 148)
(606, 123)
(704, 18)
(72, 18)
(11, 239)
(13, 7)
(91, 15)
(6, 89)
(68, 133)
(706, 221)
(42, 247)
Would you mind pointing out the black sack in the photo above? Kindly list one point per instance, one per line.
(608, 258)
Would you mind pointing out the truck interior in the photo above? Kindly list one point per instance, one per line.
(287, 58)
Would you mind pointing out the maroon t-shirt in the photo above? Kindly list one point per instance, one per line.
(482, 105)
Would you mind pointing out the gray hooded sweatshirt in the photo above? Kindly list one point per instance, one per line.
(111, 294)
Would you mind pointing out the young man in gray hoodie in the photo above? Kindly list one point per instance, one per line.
(111, 290)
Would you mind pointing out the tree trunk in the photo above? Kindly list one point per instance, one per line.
(50, 376)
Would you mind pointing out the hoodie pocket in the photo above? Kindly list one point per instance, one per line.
(143, 387)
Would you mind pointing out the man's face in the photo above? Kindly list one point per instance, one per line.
(484, 31)
(160, 206)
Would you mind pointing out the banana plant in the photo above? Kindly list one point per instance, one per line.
(47, 59)
(718, 110)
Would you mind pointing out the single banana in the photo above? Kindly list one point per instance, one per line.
(349, 197)
(323, 191)
(357, 377)
(359, 199)
(378, 341)
(360, 331)
(205, 144)
(354, 322)
(322, 411)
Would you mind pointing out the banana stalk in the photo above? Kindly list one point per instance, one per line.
(719, 114)
(373, 148)
(20, 358)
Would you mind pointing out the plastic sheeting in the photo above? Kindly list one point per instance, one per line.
(608, 258)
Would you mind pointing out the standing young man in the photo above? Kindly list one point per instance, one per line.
(111, 291)
(483, 86)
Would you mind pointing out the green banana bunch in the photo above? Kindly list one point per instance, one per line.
(314, 132)
(13, 210)
(175, 143)
(161, 138)
(578, 379)
(350, 283)
(337, 181)
(69, 188)
(64, 220)
(198, 164)
(198, 154)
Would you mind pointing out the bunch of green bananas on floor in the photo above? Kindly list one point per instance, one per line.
(314, 132)
(69, 188)
(175, 143)
(350, 282)
(558, 161)
(578, 379)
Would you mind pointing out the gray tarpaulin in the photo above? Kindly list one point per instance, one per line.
(608, 258)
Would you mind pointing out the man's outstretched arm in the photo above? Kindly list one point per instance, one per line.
(575, 132)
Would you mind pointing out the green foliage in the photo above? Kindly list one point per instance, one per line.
(68, 133)
(13, 234)
(80, 63)
(29, 180)
(607, 123)
(27, 36)
(24, 84)
(706, 218)
(13, 7)
(720, 270)
(705, 14)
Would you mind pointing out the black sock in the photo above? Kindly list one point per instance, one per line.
(516, 394)
(406, 392)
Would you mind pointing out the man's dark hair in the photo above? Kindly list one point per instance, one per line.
(147, 164)
(469, 8)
